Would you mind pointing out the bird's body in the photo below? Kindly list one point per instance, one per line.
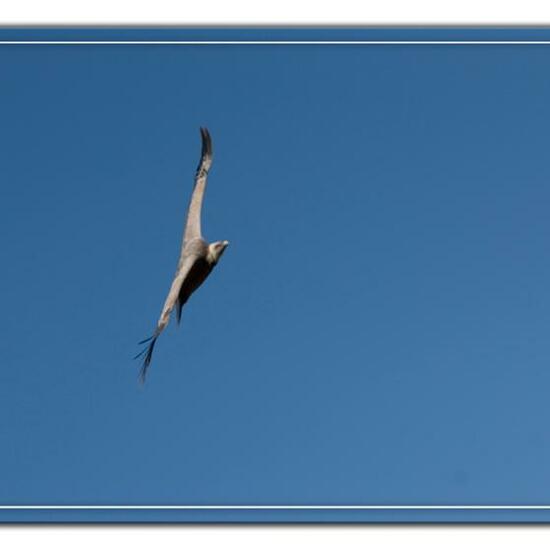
(197, 258)
(199, 270)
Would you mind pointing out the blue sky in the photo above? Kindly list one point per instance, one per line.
(377, 332)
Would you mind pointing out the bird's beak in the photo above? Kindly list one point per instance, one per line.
(225, 243)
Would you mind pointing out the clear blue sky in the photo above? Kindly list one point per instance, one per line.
(378, 330)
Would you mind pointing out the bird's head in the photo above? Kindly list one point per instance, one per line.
(215, 250)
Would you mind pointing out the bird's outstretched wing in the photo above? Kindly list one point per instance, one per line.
(183, 270)
(193, 224)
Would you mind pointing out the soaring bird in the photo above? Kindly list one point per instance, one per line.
(197, 258)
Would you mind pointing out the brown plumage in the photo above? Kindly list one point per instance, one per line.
(197, 258)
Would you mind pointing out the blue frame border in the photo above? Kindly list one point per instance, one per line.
(304, 34)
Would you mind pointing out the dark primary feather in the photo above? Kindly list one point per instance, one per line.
(206, 148)
(147, 353)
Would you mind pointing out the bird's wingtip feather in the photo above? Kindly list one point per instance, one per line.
(147, 355)
(206, 141)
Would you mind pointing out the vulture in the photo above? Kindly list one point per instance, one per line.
(197, 257)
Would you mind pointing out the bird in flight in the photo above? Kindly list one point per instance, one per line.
(197, 258)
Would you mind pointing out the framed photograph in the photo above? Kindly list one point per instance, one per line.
(332, 245)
